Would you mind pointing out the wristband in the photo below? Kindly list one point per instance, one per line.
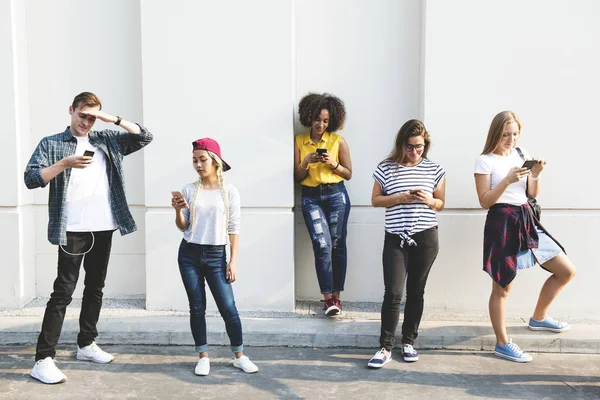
(534, 179)
(118, 121)
(301, 167)
(336, 167)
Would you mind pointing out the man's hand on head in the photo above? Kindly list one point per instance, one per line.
(102, 116)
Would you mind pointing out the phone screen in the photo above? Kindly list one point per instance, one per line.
(176, 193)
(88, 153)
(321, 151)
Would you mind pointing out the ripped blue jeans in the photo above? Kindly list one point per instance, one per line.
(325, 209)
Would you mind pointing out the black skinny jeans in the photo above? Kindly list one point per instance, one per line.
(410, 264)
(95, 264)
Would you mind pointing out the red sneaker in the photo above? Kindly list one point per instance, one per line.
(338, 303)
(331, 307)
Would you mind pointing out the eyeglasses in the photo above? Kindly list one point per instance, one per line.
(418, 147)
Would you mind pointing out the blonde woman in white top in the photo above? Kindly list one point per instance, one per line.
(208, 213)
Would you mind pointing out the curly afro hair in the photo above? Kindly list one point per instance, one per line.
(311, 105)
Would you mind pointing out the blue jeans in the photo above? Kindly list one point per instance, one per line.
(325, 209)
(198, 262)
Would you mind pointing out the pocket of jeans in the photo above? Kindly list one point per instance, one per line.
(215, 256)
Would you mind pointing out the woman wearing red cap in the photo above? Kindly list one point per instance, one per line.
(208, 212)
(322, 160)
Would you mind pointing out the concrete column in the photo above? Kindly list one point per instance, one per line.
(17, 244)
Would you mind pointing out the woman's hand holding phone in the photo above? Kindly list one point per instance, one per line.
(516, 174)
(178, 201)
(421, 196)
(313, 157)
(538, 167)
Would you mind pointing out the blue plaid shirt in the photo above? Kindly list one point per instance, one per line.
(51, 149)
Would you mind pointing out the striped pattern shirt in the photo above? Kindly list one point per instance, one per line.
(51, 149)
(407, 219)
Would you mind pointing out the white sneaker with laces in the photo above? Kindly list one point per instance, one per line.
(93, 353)
(245, 364)
(47, 372)
(203, 367)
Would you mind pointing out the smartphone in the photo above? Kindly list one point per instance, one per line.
(529, 164)
(413, 192)
(176, 193)
(88, 153)
(321, 151)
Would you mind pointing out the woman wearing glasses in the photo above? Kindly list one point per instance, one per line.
(412, 188)
(513, 237)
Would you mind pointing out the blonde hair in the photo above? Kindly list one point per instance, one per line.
(219, 167)
(497, 130)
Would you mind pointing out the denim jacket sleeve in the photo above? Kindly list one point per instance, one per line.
(37, 162)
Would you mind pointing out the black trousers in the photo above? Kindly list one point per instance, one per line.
(410, 264)
(95, 264)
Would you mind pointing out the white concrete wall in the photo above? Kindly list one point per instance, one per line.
(224, 70)
(75, 46)
(540, 59)
(18, 275)
(235, 70)
(371, 58)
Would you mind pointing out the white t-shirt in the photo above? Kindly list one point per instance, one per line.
(497, 167)
(88, 193)
(209, 215)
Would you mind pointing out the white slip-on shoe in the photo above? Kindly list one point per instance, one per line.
(203, 367)
(47, 372)
(93, 353)
(245, 364)
(380, 359)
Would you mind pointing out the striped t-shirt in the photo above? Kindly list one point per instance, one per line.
(410, 218)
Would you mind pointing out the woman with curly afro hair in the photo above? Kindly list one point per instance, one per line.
(322, 160)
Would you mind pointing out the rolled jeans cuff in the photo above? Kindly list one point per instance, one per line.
(237, 349)
(202, 349)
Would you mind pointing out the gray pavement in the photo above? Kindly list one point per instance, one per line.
(166, 372)
(128, 323)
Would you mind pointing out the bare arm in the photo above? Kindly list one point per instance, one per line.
(344, 168)
(178, 202)
(533, 184)
(300, 166)
(50, 172)
(488, 197)
(127, 125)
(231, 272)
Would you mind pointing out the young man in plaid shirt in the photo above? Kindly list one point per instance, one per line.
(86, 205)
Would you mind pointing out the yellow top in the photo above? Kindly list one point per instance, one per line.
(319, 173)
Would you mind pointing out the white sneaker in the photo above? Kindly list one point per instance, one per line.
(203, 367)
(46, 371)
(245, 364)
(93, 353)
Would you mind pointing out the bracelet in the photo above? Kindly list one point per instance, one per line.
(534, 179)
(336, 167)
(301, 167)
(118, 121)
